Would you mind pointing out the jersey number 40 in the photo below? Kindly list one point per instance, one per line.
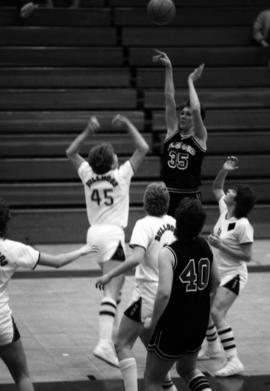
(196, 278)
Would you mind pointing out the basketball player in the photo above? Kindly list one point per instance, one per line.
(185, 141)
(232, 240)
(187, 278)
(14, 255)
(149, 235)
(106, 188)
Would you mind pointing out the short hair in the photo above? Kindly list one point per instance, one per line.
(187, 104)
(245, 201)
(101, 158)
(4, 217)
(190, 217)
(156, 199)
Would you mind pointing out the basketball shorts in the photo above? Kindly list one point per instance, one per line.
(142, 302)
(235, 282)
(8, 331)
(107, 241)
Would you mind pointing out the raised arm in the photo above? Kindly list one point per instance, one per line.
(169, 91)
(199, 129)
(258, 29)
(59, 260)
(141, 146)
(132, 261)
(230, 164)
(73, 150)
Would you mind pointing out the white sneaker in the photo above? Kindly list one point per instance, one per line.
(232, 367)
(207, 353)
(105, 351)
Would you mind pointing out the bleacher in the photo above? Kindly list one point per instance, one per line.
(61, 65)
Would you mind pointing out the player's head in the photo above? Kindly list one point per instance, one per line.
(156, 199)
(102, 158)
(185, 116)
(4, 217)
(190, 217)
(244, 201)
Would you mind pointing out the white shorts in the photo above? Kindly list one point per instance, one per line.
(226, 277)
(8, 330)
(142, 300)
(105, 240)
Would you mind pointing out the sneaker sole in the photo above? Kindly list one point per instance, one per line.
(106, 361)
(206, 357)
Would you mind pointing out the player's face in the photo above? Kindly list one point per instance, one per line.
(185, 119)
(229, 198)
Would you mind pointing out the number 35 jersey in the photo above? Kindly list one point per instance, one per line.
(181, 163)
(107, 195)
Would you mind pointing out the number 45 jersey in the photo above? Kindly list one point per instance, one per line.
(107, 195)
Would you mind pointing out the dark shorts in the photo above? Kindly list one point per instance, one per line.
(175, 199)
(171, 342)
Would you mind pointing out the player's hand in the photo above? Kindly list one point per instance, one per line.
(86, 249)
(102, 281)
(119, 121)
(162, 58)
(231, 163)
(214, 240)
(93, 124)
(197, 73)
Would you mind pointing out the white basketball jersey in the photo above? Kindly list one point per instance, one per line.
(233, 232)
(13, 255)
(107, 195)
(152, 233)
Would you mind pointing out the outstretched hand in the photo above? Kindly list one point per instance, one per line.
(231, 163)
(119, 120)
(162, 57)
(93, 124)
(197, 73)
(102, 281)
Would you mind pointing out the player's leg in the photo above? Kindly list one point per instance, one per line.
(194, 378)
(129, 330)
(225, 297)
(13, 356)
(211, 348)
(155, 372)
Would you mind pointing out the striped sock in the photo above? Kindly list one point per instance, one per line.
(106, 318)
(211, 333)
(228, 342)
(199, 383)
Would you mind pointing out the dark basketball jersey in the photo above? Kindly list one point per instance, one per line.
(182, 326)
(181, 163)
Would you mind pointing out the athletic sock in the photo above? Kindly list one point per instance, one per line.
(227, 340)
(199, 383)
(128, 368)
(106, 318)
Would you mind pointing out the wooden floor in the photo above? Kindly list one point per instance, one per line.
(57, 318)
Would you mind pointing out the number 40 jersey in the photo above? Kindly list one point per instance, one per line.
(107, 195)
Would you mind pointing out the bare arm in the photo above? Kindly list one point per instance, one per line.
(165, 264)
(169, 91)
(200, 131)
(63, 259)
(230, 164)
(141, 146)
(73, 150)
(132, 261)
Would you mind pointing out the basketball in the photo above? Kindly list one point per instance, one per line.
(161, 11)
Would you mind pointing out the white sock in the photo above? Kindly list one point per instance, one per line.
(128, 368)
(106, 318)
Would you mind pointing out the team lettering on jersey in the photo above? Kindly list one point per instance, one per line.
(183, 147)
(102, 178)
(3, 260)
(164, 228)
